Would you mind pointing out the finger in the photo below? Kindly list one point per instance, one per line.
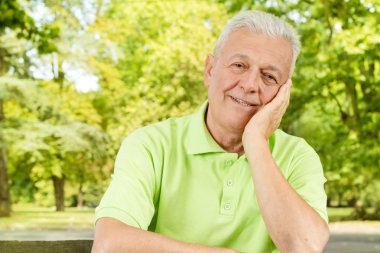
(283, 95)
(289, 87)
(286, 92)
(289, 83)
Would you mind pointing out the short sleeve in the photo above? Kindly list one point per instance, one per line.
(307, 178)
(130, 195)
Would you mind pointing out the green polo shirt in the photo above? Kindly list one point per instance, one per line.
(174, 179)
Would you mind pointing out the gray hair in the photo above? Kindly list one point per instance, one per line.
(262, 22)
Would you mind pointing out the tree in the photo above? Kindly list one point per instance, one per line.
(15, 18)
(73, 30)
(352, 58)
(16, 90)
(150, 60)
(56, 134)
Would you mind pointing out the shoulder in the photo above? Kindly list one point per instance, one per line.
(295, 154)
(163, 128)
(284, 141)
(149, 146)
(160, 134)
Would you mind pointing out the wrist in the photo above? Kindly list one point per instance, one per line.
(253, 138)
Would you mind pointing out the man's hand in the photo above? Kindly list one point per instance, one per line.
(268, 118)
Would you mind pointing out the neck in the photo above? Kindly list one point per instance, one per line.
(230, 140)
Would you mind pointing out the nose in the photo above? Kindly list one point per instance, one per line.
(250, 82)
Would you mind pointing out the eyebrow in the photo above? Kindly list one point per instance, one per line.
(241, 56)
(245, 57)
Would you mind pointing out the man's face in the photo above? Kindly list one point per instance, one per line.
(246, 74)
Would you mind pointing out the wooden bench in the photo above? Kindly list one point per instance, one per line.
(64, 246)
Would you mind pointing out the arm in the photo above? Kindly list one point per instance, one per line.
(292, 223)
(112, 235)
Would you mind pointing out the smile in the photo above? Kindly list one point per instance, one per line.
(242, 102)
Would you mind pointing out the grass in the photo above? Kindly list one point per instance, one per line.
(29, 217)
(347, 214)
(40, 218)
(340, 213)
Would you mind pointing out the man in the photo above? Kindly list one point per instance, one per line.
(224, 179)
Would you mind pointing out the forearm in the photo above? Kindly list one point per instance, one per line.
(292, 223)
(113, 236)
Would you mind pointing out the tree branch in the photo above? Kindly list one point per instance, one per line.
(327, 16)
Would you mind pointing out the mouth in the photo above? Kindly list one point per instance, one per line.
(242, 102)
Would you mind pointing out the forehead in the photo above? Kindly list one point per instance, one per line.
(257, 47)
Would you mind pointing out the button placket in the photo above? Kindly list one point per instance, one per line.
(228, 198)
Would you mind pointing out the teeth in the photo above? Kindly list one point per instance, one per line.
(241, 102)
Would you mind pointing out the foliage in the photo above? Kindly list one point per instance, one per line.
(15, 17)
(151, 60)
(37, 131)
(148, 59)
(46, 148)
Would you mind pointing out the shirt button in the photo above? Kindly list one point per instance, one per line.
(227, 206)
(229, 182)
(228, 163)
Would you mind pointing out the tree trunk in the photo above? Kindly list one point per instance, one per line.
(59, 192)
(5, 196)
(355, 123)
(80, 196)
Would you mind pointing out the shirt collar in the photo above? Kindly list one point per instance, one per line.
(199, 139)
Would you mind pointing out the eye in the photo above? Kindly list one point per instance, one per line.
(238, 67)
(270, 78)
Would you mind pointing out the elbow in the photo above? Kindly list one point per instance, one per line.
(113, 236)
(310, 244)
(316, 244)
(100, 246)
(108, 236)
(104, 245)
(105, 241)
(108, 242)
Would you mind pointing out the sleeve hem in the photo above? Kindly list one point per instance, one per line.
(120, 215)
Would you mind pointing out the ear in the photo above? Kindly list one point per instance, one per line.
(209, 68)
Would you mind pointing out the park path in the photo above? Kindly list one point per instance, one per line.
(354, 237)
(345, 237)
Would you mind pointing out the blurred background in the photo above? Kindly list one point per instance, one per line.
(77, 76)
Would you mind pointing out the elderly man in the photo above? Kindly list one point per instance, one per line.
(224, 179)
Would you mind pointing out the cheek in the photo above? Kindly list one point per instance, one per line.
(223, 80)
(268, 93)
(226, 83)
